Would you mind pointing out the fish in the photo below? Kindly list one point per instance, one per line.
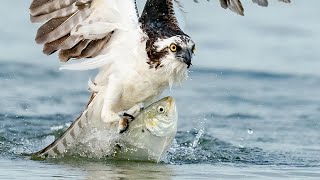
(147, 138)
(151, 134)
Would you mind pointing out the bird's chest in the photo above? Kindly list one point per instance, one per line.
(143, 88)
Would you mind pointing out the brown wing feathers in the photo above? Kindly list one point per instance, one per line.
(53, 46)
(75, 51)
(50, 27)
(40, 7)
(233, 5)
(236, 6)
(94, 47)
(60, 17)
(55, 14)
(263, 3)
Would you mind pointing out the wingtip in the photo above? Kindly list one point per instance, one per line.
(263, 3)
(285, 1)
(32, 19)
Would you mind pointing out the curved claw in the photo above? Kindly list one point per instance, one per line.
(123, 125)
(125, 115)
(124, 121)
(128, 116)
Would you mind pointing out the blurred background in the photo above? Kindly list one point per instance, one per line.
(252, 99)
(280, 38)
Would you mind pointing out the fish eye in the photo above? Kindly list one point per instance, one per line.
(173, 47)
(161, 109)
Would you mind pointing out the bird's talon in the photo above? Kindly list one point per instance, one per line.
(125, 115)
(123, 125)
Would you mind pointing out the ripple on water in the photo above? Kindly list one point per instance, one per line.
(198, 147)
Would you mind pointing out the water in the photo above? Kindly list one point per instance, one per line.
(250, 110)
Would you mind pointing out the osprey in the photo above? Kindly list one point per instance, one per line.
(139, 56)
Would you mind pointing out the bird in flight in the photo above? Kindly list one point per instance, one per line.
(138, 55)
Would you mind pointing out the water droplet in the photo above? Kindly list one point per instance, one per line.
(250, 131)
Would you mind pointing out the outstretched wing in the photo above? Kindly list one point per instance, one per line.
(265, 2)
(81, 28)
(236, 6)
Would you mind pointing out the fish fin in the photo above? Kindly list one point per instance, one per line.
(68, 138)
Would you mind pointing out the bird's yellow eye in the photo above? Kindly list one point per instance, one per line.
(173, 47)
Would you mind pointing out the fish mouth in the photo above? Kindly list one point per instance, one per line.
(172, 110)
(171, 102)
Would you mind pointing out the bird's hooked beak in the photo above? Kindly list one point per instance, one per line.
(187, 57)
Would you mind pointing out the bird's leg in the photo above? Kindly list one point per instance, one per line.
(128, 116)
(112, 95)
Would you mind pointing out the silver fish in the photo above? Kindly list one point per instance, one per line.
(147, 138)
(150, 135)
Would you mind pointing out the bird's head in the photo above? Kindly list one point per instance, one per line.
(167, 43)
(176, 48)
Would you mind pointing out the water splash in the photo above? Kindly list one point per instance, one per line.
(198, 136)
(96, 144)
(197, 146)
(187, 151)
(190, 147)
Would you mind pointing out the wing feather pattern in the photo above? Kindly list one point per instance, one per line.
(265, 3)
(40, 7)
(94, 47)
(65, 54)
(73, 26)
(55, 14)
(80, 28)
(59, 27)
(53, 46)
(236, 6)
